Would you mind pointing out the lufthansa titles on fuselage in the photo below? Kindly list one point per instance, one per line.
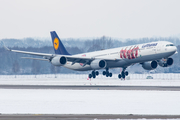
(150, 45)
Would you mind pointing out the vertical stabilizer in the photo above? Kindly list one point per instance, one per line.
(57, 44)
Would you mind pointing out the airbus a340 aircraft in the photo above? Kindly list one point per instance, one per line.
(149, 55)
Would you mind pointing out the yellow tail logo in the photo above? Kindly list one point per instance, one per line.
(56, 43)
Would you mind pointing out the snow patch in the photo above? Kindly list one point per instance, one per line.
(17, 101)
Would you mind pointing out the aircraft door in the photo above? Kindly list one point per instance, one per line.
(154, 50)
(158, 49)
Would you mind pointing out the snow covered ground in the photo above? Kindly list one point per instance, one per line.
(13, 101)
(81, 79)
(52, 101)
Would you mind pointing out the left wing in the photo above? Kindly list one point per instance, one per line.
(31, 53)
(70, 58)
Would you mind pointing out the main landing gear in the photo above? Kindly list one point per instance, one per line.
(96, 73)
(123, 74)
(107, 73)
(93, 74)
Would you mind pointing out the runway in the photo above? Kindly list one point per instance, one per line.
(84, 117)
(91, 87)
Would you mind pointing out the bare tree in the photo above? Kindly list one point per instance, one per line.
(53, 70)
(15, 67)
(109, 43)
(35, 67)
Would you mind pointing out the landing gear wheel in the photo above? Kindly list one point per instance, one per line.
(110, 74)
(90, 75)
(126, 73)
(104, 72)
(93, 73)
(107, 74)
(119, 76)
(97, 73)
(123, 76)
(94, 76)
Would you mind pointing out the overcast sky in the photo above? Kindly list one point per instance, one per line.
(89, 18)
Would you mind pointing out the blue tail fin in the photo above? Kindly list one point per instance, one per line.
(57, 44)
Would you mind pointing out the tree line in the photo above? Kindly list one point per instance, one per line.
(12, 63)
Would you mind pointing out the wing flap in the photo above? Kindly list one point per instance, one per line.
(87, 60)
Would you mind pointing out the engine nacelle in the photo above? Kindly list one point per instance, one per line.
(150, 65)
(98, 64)
(168, 62)
(59, 61)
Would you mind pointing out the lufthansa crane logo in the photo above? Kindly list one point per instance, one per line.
(56, 43)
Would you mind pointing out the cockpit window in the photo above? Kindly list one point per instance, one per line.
(169, 45)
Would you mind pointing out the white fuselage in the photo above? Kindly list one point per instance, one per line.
(128, 55)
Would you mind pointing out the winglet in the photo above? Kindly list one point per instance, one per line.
(1, 42)
(5, 46)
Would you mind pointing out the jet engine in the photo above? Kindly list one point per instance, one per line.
(150, 65)
(98, 64)
(59, 61)
(166, 63)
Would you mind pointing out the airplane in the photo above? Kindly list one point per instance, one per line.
(149, 55)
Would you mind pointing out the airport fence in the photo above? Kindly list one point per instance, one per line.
(162, 76)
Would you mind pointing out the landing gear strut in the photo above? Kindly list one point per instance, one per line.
(107, 73)
(94, 74)
(123, 74)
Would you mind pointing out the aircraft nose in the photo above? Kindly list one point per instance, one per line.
(172, 49)
(175, 49)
